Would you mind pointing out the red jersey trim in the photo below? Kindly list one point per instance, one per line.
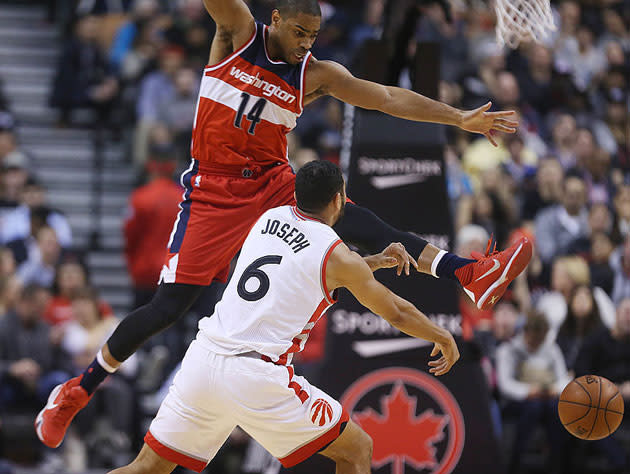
(303, 216)
(305, 63)
(323, 271)
(297, 388)
(297, 343)
(314, 446)
(177, 457)
(264, 42)
(235, 53)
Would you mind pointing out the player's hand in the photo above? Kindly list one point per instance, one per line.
(486, 123)
(450, 355)
(394, 255)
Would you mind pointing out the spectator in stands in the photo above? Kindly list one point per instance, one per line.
(620, 264)
(531, 374)
(30, 214)
(566, 274)
(43, 256)
(156, 89)
(150, 216)
(13, 178)
(31, 364)
(193, 30)
(178, 111)
(82, 78)
(70, 277)
(560, 226)
(587, 62)
(581, 321)
(505, 318)
(562, 145)
(602, 274)
(127, 32)
(548, 191)
(621, 225)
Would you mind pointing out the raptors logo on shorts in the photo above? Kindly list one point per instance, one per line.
(321, 412)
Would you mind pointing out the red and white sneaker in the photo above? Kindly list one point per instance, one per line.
(494, 271)
(64, 402)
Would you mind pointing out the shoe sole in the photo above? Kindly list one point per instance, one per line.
(40, 416)
(505, 279)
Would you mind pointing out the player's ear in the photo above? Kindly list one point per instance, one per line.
(295, 197)
(275, 17)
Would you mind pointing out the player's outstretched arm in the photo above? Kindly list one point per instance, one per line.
(229, 13)
(331, 78)
(347, 269)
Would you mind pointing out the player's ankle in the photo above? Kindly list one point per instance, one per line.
(452, 266)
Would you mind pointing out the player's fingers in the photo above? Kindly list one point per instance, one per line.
(490, 139)
(435, 351)
(503, 128)
(501, 113)
(437, 362)
(509, 123)
(441, 369)
(413, 261)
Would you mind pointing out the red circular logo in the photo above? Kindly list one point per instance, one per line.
(321, 412)
(400, 435)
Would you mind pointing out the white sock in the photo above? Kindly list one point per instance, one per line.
(102, 363)
(435, 262)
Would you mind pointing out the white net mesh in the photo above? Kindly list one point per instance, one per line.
(519, 20)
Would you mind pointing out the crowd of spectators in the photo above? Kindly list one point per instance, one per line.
(563, 180)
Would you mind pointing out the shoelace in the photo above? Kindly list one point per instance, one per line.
(66, 405)
(489, 253)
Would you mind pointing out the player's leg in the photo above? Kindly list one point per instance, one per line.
(147, 462)
(170, 302)
(206, 236)
(351, 451)
(484, 279)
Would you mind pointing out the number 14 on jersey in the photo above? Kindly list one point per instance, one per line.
(254, 113)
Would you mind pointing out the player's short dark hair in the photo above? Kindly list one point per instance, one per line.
(316, 184)
(290, 8)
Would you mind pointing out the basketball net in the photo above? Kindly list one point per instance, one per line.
(523, 20)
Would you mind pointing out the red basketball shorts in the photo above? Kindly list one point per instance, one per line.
(218, 209)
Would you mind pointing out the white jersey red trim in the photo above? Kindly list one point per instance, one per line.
(278, 290)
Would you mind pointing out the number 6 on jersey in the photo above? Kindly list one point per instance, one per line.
(253, 271)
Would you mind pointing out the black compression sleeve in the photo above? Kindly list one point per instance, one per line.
(171, 301)
(364, 229)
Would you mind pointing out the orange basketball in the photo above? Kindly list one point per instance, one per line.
(590, 407)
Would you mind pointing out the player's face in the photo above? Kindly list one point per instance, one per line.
(294, 35)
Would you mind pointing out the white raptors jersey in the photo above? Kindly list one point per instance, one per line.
(278, 289)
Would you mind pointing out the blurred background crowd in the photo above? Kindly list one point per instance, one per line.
(129, 70)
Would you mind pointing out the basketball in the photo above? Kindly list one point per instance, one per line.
(590, 407)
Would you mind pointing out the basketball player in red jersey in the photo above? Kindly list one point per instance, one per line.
(257, 81)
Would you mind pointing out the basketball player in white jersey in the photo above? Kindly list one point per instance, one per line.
(238, 370)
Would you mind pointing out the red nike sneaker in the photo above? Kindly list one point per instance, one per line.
(493, 272)
(64, 402)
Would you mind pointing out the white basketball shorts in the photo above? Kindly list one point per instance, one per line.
(212, 394)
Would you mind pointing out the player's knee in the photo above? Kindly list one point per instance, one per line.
(359, 452)
(365, 446)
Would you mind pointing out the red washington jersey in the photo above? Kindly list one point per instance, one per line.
(247, 104)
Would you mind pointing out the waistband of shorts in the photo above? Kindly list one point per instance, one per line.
(203, 340)
(251, 170)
